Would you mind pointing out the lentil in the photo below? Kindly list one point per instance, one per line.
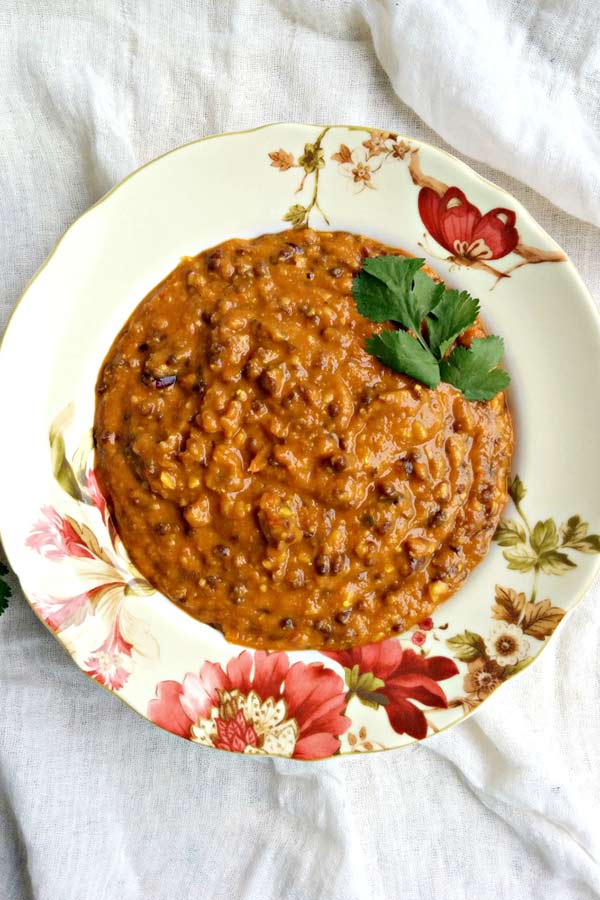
(251, 450)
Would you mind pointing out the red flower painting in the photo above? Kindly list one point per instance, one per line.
(386, 675)
(55, 537)
(63, 612)
(110, 578)
(259, 704)
(105, 665)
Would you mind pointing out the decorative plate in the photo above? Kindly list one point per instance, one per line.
(56, 529)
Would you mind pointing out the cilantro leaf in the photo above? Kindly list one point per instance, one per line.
(455, 312)
(5, 591)
(374, 300)
(396, 302)
(426, 293)
(397, 272)
(473, 371)
(400, 351)
(394, 289)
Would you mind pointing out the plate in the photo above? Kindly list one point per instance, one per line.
(56, 529)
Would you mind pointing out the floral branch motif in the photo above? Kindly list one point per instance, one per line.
(364, 161)
(506, 650)
(107, 570)
(542, 547)
(356, 164)
(312, 161)
(471, 238)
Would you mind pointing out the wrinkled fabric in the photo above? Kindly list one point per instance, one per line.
(514, 84)
(94, 801)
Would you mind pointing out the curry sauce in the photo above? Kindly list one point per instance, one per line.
(271, 477)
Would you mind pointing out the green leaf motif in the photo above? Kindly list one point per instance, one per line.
(296, 214)
(574, 529)
(590, 544)
(516, 490)
(509, 533)
(61, 468)
(372, 699)
(456, 312)
(574, 534)
(520, 558)
(546, 539)
(312, 158)
(400, 351)
(467, 646)
(554, 563)
(544, 536)
(5, 591)
(365, 686)
(474, 371)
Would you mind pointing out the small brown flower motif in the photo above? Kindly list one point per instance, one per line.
(281, 159)
(362, 173)
(400, 149)
(376, 143)
(484, 677)
(312, 158)
(343, 156)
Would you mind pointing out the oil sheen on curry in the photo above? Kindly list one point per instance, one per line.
(271, 477)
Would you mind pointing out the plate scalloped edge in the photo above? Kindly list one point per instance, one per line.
(313, 706)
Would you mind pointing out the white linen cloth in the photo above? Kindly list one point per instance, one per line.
(95, 802)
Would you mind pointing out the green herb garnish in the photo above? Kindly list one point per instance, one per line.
(431, 318)
(474, 371)
(5, 591)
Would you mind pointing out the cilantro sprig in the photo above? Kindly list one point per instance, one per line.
(430, 318)
(5, 591)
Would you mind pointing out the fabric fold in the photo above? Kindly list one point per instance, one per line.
(513, 85)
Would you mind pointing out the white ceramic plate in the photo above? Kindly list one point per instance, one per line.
(58, 535)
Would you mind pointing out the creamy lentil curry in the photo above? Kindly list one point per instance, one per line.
(271, 477)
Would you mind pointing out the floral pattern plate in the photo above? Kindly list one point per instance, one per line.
(55, 525)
